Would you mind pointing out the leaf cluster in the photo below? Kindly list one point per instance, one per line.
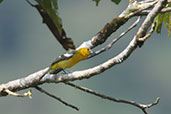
(163, 18)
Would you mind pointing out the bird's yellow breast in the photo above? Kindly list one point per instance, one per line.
(79, 55)
(68, 63)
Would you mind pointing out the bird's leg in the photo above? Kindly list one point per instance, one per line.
(56, 71)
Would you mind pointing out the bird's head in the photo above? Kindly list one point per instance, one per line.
(85, 52)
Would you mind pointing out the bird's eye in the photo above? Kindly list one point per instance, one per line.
(88, 49)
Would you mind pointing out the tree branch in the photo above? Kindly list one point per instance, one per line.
(143, 107)
(132, 10)
(149, 34)
(116, 39)
(78, 75)
(33, 79)
(146, 12)
(29, 93)
(57, 98)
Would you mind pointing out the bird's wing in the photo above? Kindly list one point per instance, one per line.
(63, 57)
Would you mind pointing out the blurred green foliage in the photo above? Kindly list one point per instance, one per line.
(51, 7)
(115, 1)
(163, 18)
(1, 1)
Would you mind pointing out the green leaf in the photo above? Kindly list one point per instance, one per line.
(116, 1)
(55, 4)
(48, 11)
(1, 1)
(164, 18)
(159, 22)
(51, 7)
(97, 2)
(167, 22)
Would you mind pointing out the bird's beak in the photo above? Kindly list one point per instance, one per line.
(92, 53)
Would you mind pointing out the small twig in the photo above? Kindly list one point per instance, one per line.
(30, 3)
(164, 10)
(143, 107)
(57, 98)
(149, 34)
(29, 93)
(116, 39)
(152, 104)
(146, 12)
(138, 8)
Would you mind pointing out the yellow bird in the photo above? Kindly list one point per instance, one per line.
(69, 59)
